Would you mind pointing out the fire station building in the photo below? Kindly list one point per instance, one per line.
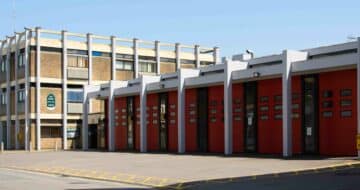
(295, 102)
(43, 73)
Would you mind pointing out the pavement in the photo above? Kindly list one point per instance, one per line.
(13, 180)
(169, 170)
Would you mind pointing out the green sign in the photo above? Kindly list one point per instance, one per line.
(50, 102)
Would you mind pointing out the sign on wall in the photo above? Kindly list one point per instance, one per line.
(50, 102)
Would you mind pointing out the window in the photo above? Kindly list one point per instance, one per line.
(3, 65)
(78, 61)
(21, 60)
(3, 99)
(345, 92)
(75, 96)
(147, 67)
(327, 94)
(264, 99)
(327, 104)
(344, 103)
(346, 113)
(78, 58)
(21, 95)
(186, 61)
(124, 65)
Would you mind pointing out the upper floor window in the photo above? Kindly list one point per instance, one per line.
(3, 99)
(78, 58)
(124, 62)
(3, 65)
(75, 96)
(21, 95)
(147, 64)
(21, 60)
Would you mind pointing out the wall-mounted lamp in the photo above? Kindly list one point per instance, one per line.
(256, 74)
(162, 86)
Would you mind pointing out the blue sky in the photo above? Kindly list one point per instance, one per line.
(266, 27)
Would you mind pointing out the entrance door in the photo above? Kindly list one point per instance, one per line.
(130, 123)
(202, 132)
(92, 136)
(310, 113)
(250, 90)
(163, 122)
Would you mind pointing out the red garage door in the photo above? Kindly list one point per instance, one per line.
(172, 121)
(238, 116)
(216, 119)
(191, 120)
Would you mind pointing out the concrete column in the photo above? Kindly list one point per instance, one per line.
(1, 58)
(228, 114)
(143, 128)
(216, 55)
(197, 56)
(136, 57)
(85, 130)
(17, 39)
(286, 105)
(38, 103)
(64, 87)
(177, 54)
(113, 58)
(358, 92)
(89, 44)
(157, 51)
(27, 47)
(111, 119)
(181, 112)
(8, 113)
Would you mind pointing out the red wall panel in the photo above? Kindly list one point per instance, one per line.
(120, 123)
(216, 119)
(296, 117)
(238, 116)
(152, 120)
(191, 120)
(337, 133)
(269, 116)
(172, 121)
(137, 122)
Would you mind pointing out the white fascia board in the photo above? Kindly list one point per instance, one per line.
(264, 71)
(127, 91)
(332, 48)
(206, 80)
(162, 85)
(325, 63)
(212, 68)
(265, 59)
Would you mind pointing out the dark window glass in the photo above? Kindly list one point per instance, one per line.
(327, 94)
(346, 113)
(345, 92)
(278, 98)
(264, 99)
(327, 104)
(264, 108)
(75, 96)
(346, 103)
(327, 114)
(278, 107)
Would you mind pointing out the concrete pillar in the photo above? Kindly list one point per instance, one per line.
(89, 45)
(38, 100)
(64, 87)
(8, 113)
(85, 130)
(216, 55)
(286, 105)
(177, 54)
(358, 93)
(27, 47)
(181, 112)
(136, 57)
(143, 128)
(228, 114)
(17, 39)
(157, 51)
(113, 58)
(197, 56)
(1, 59)
(111, 118)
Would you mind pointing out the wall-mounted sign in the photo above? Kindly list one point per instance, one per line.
(71, 133)
(50, 102)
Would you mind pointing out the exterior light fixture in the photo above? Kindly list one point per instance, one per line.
(256, 74)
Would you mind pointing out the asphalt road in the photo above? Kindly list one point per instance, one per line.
(344, 179)
(13, 180)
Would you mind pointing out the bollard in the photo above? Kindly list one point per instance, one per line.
(2, 147)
